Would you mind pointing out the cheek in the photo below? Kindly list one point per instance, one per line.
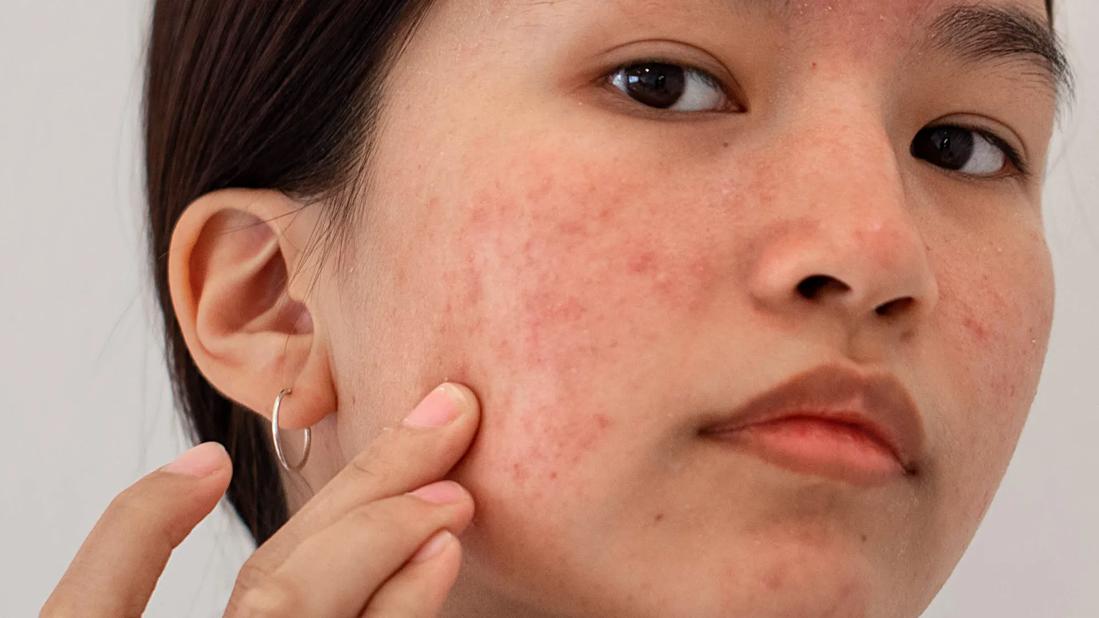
(566, 257)
(999, 316)
(995, 323)
(575, 277)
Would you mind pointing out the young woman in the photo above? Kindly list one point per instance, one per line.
(740, 306)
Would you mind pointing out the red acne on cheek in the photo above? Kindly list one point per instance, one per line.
(544, 314)
(641, 263)
(774, 578)
(686, 285)
(980, 333)
(568, 437)
(518, 473)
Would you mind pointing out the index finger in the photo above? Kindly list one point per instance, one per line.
(117, 567)
(399, 460)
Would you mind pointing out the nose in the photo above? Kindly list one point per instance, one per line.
(847, 245)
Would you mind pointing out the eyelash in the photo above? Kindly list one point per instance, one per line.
(1009, 152)
(702, 74)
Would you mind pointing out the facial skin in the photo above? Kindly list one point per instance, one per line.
(604, 276)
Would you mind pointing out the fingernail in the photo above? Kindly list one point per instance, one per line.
(198, 461)
(438, 408)
(434, 545)
(440, 492)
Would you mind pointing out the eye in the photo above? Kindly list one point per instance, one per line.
(969, 151)
(669, 86)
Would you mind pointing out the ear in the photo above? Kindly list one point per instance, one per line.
(239, 281)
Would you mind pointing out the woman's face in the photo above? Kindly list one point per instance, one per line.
(610, 277)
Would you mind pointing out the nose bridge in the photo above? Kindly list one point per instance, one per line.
(844, 235)
(847, 163)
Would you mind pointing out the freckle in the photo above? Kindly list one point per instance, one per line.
(724, 144)
(658, 518)
(863, 537)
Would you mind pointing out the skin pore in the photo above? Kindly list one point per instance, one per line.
(608, 276)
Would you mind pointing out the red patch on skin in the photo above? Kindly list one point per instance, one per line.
(478, 215)
(774, 579)
(572, 228)
(518, 473)
(642, 262)
(975, 327)
(566, 267)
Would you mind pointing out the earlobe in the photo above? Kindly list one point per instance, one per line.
(238, 280)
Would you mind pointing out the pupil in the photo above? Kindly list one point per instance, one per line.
(948, 147)
(655, 84)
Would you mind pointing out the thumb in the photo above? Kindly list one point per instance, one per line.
(117, 567)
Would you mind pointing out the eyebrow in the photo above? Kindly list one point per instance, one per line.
(980, 33)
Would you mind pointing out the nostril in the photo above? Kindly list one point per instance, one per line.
(895, 306)
(814, 285)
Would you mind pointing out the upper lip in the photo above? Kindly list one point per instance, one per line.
(876, 403)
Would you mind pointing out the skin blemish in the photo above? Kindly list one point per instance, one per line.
(658, 518)
(976, 328)
(518, 473)
(572, 228)
(641, 263)
(774, 579)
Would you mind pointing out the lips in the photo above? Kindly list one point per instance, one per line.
(835, 400)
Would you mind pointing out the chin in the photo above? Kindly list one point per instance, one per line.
(771, 586)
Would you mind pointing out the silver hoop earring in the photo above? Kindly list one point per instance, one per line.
(278, 443)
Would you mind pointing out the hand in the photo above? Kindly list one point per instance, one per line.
(361, 546)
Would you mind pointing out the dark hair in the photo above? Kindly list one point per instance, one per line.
(257, 94)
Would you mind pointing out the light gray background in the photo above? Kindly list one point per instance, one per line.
(86, 407)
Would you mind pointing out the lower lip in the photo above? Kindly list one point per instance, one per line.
(818, 447)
